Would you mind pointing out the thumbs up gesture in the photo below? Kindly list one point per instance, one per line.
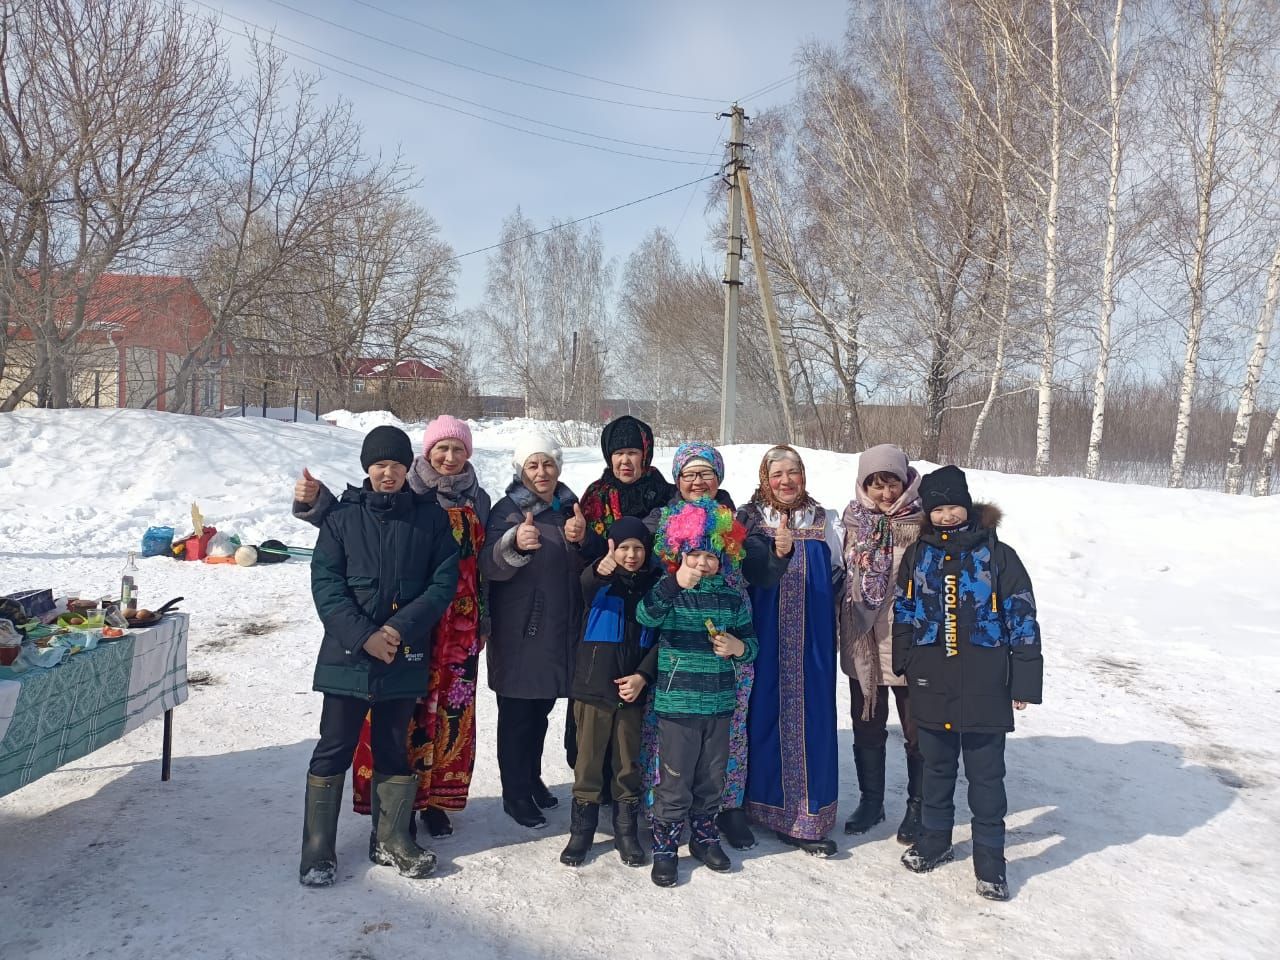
(607, 565)
(575, 528)
(307, 488)
(527, 536)
(784, 541)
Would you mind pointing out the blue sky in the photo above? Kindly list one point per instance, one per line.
(475, 173)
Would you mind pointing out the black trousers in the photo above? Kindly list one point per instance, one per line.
(875, 732)
(340, 721)
(983, 768)
(522, 729)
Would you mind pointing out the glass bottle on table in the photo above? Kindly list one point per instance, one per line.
(129, 586)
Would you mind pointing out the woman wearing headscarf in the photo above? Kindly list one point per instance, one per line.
(880, 522)
(792, 567)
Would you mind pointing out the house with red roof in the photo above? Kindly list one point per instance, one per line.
(137, 332)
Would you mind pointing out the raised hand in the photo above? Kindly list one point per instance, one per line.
(382, 645)
(607, 564)
(784, 540)
(575, 528)
(687, 576)
(527, 536)
(307, 488)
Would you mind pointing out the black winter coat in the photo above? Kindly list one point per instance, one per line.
(614, 644)
(381, 558)
(535, 604)
(964, 629)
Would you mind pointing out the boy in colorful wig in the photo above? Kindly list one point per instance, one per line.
(704, 629)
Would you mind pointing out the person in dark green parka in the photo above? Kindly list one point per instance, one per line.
(384, 571)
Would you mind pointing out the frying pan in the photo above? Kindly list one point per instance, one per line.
(155, 614)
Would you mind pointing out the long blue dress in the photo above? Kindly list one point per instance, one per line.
(793, 769)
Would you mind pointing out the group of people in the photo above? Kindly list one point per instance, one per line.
(697, 643)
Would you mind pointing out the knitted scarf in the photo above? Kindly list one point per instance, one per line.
(608, 499)
(459, 490)
(764, 496)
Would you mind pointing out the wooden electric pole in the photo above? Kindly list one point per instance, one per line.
(732, 278)
(785, 397)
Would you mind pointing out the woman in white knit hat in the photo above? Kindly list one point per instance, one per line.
(535, 607)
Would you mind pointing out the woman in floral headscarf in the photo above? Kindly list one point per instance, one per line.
(793, 563)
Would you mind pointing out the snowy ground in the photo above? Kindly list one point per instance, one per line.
(1144, 811)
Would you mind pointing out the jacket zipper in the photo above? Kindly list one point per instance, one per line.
(672, 676)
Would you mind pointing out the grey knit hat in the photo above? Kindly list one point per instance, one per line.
(883, 458)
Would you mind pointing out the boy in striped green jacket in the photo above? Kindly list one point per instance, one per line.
(704, 625)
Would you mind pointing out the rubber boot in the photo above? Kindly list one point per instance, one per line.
(395, 809)
(319, 864)
(988, 868)
(732, 824)
(374, 856)
(704, 843)
(583, 820)
(869, 762)
(626, 817)
(909, 829)
(666, 859)
(933, 849)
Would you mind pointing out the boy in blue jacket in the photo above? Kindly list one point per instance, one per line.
(966, 638)
(616, 661)
(384, 570)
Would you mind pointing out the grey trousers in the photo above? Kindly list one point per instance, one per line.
(694, 752)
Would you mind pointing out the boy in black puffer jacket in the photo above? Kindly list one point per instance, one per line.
(617, 658)
(966, 638)
(384, 570)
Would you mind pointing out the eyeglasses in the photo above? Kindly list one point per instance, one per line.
(704, 476)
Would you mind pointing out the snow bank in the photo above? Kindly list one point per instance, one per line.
(1144, 810)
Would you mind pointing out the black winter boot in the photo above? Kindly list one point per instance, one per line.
(437, 821)
(543, 797)
(933, 849)
(704, 843)
(733, 826)
(815, 848)
(988, 867)
(524, 812)
(909, 829)
(666, 860)
(395, 846)
(584, 818)
(319, 864)
(626, 816)
(869, 762)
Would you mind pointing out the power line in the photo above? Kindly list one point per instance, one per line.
(769, 87)
(570, 223)
(468, 113)
(710, 156)
(529, 60)
(441, 93)
(486, 73)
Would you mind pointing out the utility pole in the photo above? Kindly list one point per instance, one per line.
(780, 372)
(732, 278)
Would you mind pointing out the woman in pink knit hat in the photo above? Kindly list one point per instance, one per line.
(442, 734)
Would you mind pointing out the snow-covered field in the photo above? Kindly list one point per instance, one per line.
(1144, 811)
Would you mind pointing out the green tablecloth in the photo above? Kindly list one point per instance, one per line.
(51, 717)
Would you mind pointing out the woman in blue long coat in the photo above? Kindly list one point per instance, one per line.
(793, 563)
